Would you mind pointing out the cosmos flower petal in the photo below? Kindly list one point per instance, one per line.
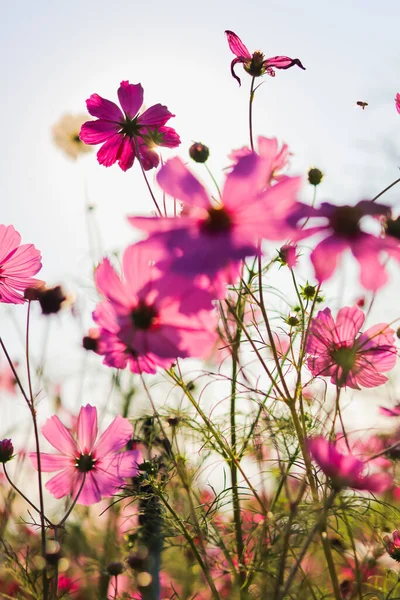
(104, 109)
(283, 62)
(87, 428)
(397, 102)
(117, 434)
(130, 97)
(349, 321)
(325, 257)
(64, 482)
(51, 462)
(236, 45)
(96, 132)
(177, 181)
(90, 493)
(59, 436)
(155, 115)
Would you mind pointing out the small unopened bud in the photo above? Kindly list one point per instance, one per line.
(309, 291)
(6, 451)
(199, 152)
(292, 321)
(115, 568)
(315, 176)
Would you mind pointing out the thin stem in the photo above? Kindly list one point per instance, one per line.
(65, 517)
(23, 495)
(251, 113)
(213, 179)
(146, 180)
(385, 190)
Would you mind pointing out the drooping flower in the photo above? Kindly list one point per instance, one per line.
(255, 64)
(392, 545)
(210, 236)
(342, 230)
(17, 265)
(275, 159)
(397, 102)
(98, 460)
(66, 135)
(346, 470)
(351, 358)
(146, 321)
(126, 134)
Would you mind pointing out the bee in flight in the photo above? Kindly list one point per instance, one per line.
(362, 104)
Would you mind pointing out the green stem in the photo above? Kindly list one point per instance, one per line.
(251, 113)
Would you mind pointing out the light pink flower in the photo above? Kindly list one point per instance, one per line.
(17, 265)
(210, 236)
(125, 133)
(351, 358)
(342, 230)
(275, 159)
(146, 322)
(255, 64)
(104, 467)
(397, 102)
(7, 380)
(346, 470)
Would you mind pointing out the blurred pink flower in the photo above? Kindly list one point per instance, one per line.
(397, 102)
(255, 64)
(346, 470)
(342, 232)
(274, 159)
(288, 255)
(17, 265)
(392, 545)
(141, 323)
(208, 236)
(104, 466)
(7, 380)
(336, 349)
(127, 134)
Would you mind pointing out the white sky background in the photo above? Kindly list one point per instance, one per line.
(55, 54)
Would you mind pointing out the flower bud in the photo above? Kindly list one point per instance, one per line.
(6, 451)
(392, 545)
(292, 321)
(315, 176)
(51, 299)
(199, 152)
(115, 568)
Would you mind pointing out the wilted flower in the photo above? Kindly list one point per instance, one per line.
(346, 470)
(104, 468)
(66, 135)
(126, 134)
(392, 545)
(17, 265)
(351, 358)
(255, 64)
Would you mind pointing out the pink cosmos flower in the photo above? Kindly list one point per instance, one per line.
(275, 159)
(397, 102)
(17, 265)
(126, 134)
(346, 470)
(343, 231)
(210, 236)
(255, 64)
(142, 322)
(392, 545)
(104, 467)
(336, 349)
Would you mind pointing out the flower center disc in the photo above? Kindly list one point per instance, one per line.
(345, 357)
(143, 316)
(85, 463)
(345, 221)
(218, 221)
(130, 128)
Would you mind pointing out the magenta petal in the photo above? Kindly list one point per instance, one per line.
(177, 181)
(349, 321)
(117, 434)
(126, 463)
(397, 102)
(325, 257)
(104, 109)
(97, 132)
(59, 436)
(283, 62)
(87, 428)
(63, 483)
(90, 493)
(155, 115)
(10, 239)
(51, 462)
(110, 285)
(109, 152)
(236, 45)
(126, 154)
(149, 157)
(377, 483)
(130, 97)
(366, 250)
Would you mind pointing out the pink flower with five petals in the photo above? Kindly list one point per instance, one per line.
(351, 358)
(126, 134)
(103, 467)
(255, 64)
